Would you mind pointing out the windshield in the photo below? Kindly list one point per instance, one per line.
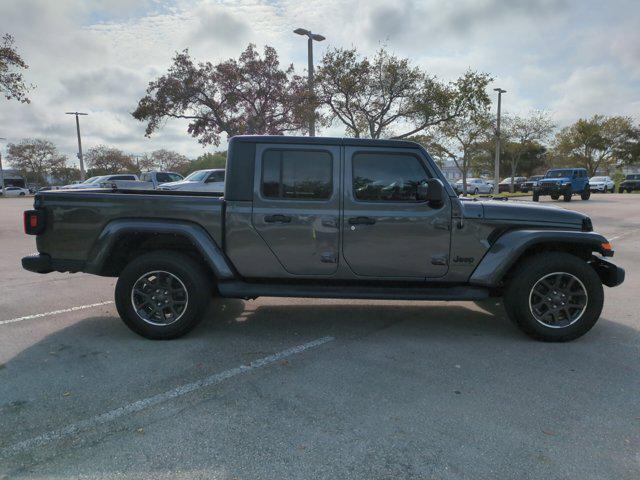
(559, 173)
(598, 179)
(197, 176)
(633, 177)
(506, 180)
(92, 180)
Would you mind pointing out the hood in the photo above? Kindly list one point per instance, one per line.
(525, 213)
(80, 186)
(177, 183)
(554, 180)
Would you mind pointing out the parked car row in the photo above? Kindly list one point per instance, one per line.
(211, 180)
(565, 182)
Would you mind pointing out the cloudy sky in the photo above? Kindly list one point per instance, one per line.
(571, 58)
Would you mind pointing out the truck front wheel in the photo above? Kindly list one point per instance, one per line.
(554, 297)
(163, 294)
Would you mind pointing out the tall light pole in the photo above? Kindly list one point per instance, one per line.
(79, 142)
(496, 179)
(1, 171)
(310, 38)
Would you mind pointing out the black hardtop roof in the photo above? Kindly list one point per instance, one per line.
(343, 141)
(566, 168)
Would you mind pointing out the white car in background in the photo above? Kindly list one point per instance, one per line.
(474, 186)
(601, 184)
(15, 192)
(94, 182)
(199, 181)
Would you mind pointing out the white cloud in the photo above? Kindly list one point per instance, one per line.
(574, 58)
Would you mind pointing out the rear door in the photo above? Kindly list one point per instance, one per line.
(296, 205)
(387, 231)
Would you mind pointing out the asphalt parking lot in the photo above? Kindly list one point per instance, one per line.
(297, 388)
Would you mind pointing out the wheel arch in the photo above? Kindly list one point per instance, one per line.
(122, 240)
(514, 246)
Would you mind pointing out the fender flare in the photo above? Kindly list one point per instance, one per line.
(509, 247)
(215, 258)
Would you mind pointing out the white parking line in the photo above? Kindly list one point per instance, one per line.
(112, 415)
(55, 312)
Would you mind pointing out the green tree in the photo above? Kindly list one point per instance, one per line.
(35, 158)
(12, 84)
(103, 160)
(388, 97)
(163, 160)
(595, 143)
(523, 135)
(206, 161)
(460, 140)
(65, 175)
(251, 95)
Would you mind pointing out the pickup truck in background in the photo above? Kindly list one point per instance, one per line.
(147, 181)
(325, 217)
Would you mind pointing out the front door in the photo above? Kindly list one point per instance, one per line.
(387, 230)
(296, 206)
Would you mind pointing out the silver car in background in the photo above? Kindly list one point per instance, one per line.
(474, 186)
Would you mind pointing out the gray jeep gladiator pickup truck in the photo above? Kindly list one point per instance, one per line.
(325, 217)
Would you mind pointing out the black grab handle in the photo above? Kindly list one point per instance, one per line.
(278, 218)
(362, 221)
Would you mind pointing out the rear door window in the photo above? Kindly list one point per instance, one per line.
(297, 174)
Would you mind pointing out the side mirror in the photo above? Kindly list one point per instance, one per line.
(432, 192)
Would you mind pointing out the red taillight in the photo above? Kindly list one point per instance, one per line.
(33, 222)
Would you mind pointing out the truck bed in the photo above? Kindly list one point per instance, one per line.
(76, 218)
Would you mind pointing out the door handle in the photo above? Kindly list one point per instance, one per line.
(278, 218)
(362, 221)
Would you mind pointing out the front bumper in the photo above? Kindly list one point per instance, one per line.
(611, 275)
(597, 188)
(552, 189)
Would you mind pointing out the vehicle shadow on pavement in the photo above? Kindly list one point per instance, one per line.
(97, 364)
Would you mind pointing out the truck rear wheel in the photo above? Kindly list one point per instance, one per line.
(162, 295)
(554, 297)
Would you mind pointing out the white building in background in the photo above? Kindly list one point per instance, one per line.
(12, 178)
(450, 171)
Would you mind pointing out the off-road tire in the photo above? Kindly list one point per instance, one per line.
(555, 197)
(525, 277)
(536, 197)
(586, 194)
(194, 278)
(566, 197)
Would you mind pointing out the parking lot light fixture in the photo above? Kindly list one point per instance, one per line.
(496, 179)
(310, 38)
(1, 171)
(79, 142)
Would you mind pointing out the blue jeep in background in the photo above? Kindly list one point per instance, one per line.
(563, 182)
